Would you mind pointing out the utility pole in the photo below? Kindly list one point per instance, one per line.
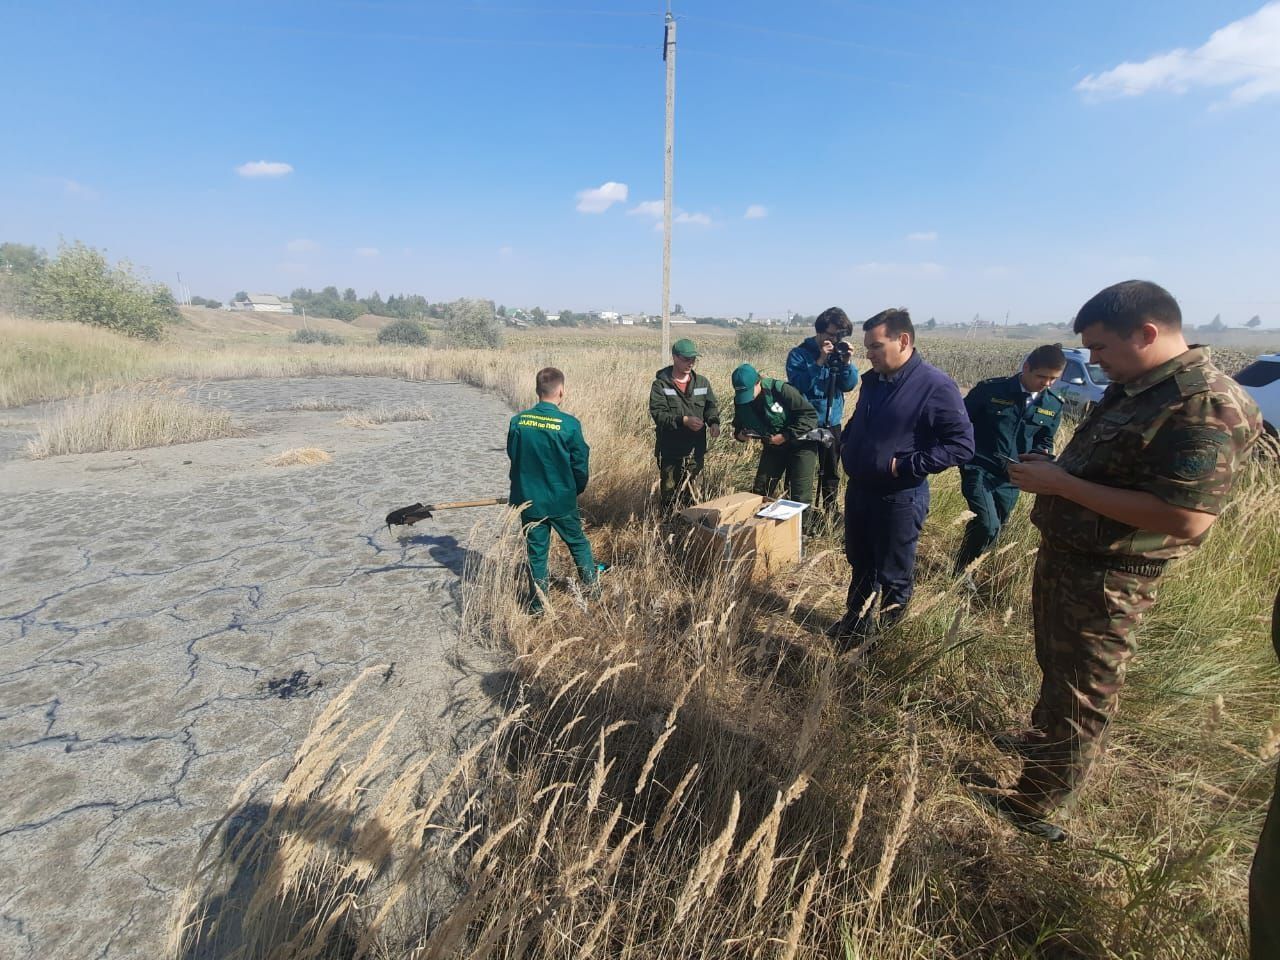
(668, 55)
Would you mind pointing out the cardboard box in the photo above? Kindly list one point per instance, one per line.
(727, 530)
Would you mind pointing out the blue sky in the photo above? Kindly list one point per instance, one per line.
(1004, 157)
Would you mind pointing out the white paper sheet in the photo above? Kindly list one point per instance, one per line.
(782, 510)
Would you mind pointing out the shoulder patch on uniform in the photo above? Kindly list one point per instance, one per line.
(699, 391)
(1195, 453)
(1191, 380)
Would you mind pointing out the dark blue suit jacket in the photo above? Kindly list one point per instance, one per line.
(919, 419)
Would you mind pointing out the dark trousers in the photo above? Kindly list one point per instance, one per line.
(537, 534)
(992, 499)
(880, 535)
(1264, 887)
(828, 493)
(1084, 613)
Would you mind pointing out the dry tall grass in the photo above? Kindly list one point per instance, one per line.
(687, 769)
(127, 420)
(300, 457)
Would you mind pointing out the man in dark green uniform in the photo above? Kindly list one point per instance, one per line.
(1264, 878)
(549, 470)
(776, 413)
(684, 411)
(1142, 480)
(1011, 416)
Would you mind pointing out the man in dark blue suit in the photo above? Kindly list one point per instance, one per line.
(909, 422)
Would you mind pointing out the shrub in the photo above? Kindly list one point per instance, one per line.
(472, 323)
(79, 285)
(752, 341)
(409, 332)
(307, 335)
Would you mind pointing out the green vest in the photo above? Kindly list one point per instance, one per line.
(549, 457)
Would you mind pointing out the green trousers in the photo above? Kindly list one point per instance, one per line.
(797, 461)
(992, 499)
(678, 469)
(537, 536)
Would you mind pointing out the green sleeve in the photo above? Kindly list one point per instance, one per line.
(801, 417)
(579, 457)
(659, 409)
(712, 413)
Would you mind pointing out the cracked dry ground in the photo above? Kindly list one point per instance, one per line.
(171, 618)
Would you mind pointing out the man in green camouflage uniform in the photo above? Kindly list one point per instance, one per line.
(684, 412)
(1140, 483)
(1264, 878)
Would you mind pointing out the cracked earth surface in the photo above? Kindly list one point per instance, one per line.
(171, 618)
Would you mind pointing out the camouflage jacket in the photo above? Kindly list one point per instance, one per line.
(1180, 432)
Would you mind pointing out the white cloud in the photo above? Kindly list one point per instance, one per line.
(701, 219)
(601, 198)
(301, 245)
(1243, 55)
(755, 212)
(878, 268)
(924, 236)
(505, 251)
(367, 251)
(648, 208)
(264, 169)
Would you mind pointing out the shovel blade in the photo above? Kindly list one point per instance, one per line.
(408, 516)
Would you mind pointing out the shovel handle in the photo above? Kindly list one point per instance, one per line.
(490, 502)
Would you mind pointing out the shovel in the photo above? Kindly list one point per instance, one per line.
(408, 516)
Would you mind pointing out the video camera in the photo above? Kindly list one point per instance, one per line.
(841, 355)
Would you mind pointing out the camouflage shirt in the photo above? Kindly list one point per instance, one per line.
(1180, 432)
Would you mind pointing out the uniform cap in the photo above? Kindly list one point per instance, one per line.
(684, 347)
(744, 381)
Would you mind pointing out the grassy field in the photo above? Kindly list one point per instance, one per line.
(684, 767)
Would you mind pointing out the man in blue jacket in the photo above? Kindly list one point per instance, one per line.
(1011, 416)
(909, 422)
(822, 369)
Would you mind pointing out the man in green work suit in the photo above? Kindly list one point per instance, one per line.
(549, 471)
(684, 411)
(777, 414)
(1011, 416)
(1143, 479)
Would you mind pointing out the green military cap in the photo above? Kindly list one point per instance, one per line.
(744, 381)
(684, 348)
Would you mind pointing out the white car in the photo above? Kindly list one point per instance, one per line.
(1261, 380)
(1081, 383)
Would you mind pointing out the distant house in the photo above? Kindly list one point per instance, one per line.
(553, 318)
(263, 303)
(682, 321)
(610, 316)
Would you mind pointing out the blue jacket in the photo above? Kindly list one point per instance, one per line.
(812, 380)
(1004, 424)
(919, 418)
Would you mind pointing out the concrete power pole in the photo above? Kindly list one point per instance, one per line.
(669, 55)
